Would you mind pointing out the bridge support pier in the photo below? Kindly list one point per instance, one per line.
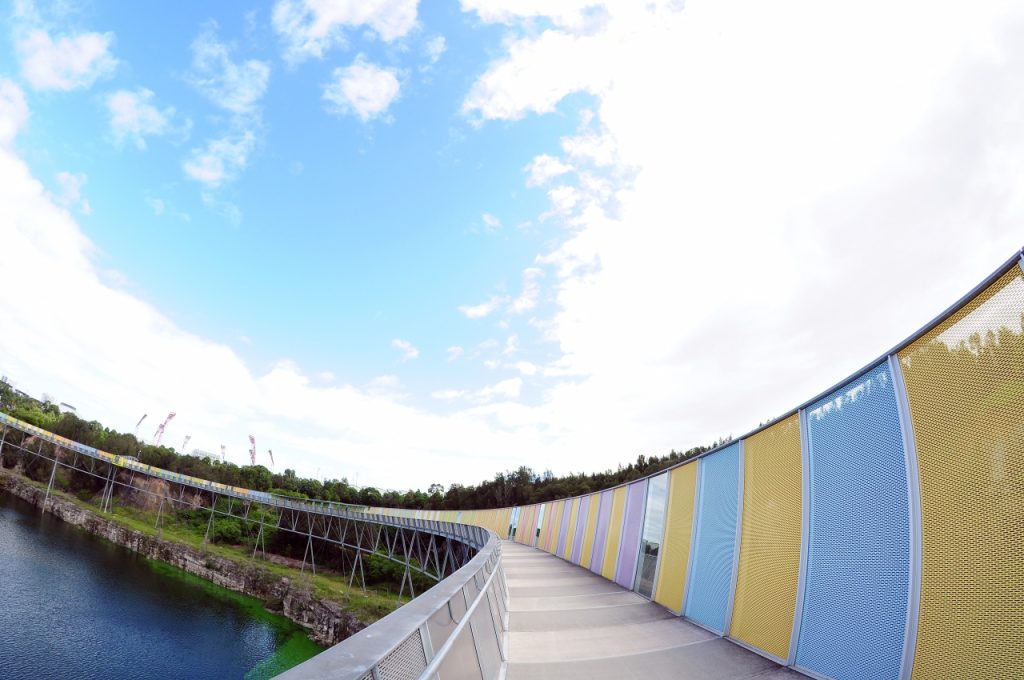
(49, 486)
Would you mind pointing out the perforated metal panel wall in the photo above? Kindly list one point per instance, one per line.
(563, 528)
(556, 524)
(629, 550)
(591, 528)
(676, 546)
(570, 536)
(604, 514)
(769, 562)
(707, 598)
(858, 560)
(611, 549)
(965, 384)
(581, 525)
(549, 523)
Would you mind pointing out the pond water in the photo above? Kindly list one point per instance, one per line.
(75, 605)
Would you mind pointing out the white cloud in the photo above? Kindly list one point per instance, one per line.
(156, 205)
(362, 88)
(309, 28)
(527, 299)
(221, 159)
(748, 226)
(526, 368)
(774, 221)
(133, 117)
(483, 309)
(574, 14)
(544, 168)
(150, 364)
(511, 345)
(13, 111)
(70, 62)
(387, 385)
(238, 88)
(506, 389)
(233, 86)
(447, 395)
(408, 350)
(434, 48)
(454, 352)
(491, 223)
(69, 190)
(534, 76)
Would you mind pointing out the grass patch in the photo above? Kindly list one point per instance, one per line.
(367, 606)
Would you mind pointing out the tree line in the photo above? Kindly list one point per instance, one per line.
(514, 487)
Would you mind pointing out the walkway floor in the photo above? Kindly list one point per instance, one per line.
(565, 623)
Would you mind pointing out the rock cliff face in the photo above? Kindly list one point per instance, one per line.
(327, 622)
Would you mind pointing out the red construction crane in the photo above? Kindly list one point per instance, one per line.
(159, 434)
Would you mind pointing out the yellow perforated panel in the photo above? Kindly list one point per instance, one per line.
(570, 535)
(965, 384)
(769, 561)
(556, 526)
(676, 546)
(611, 548)
(590, 530)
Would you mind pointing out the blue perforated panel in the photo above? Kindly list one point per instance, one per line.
(855, 601)
(707, 599)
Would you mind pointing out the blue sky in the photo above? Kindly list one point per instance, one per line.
(408, 243)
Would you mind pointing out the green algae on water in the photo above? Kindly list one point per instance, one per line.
(293, 645)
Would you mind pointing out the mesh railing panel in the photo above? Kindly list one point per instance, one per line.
(769, 562)
(965, 384)
(461, 662)
(676, 546)
(707, 596)
(407, 661)
(858, 561)
(486, 641)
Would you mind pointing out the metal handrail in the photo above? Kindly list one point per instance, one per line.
(366, 654)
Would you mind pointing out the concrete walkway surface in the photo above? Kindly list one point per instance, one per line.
(566, 623)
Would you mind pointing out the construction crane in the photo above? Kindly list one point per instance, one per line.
(159, 434)
(139, 423)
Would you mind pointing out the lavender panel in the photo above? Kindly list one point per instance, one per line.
(566, 510)
(630, 546)
(581, 525)
(604, 514)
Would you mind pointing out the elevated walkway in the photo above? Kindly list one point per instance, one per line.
(566, 622)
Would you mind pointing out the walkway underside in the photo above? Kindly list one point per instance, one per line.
(566, 622)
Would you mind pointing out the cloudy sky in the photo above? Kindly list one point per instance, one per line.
(410, 243)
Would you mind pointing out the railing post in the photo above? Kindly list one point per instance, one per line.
(805, 535)
(914, 506)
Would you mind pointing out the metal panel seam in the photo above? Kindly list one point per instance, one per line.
(740, 465)
(640, 541)
(914, 506)
(805, 535)
(698, 481)
(662, 538)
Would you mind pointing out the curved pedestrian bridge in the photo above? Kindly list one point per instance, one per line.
(566, 622)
